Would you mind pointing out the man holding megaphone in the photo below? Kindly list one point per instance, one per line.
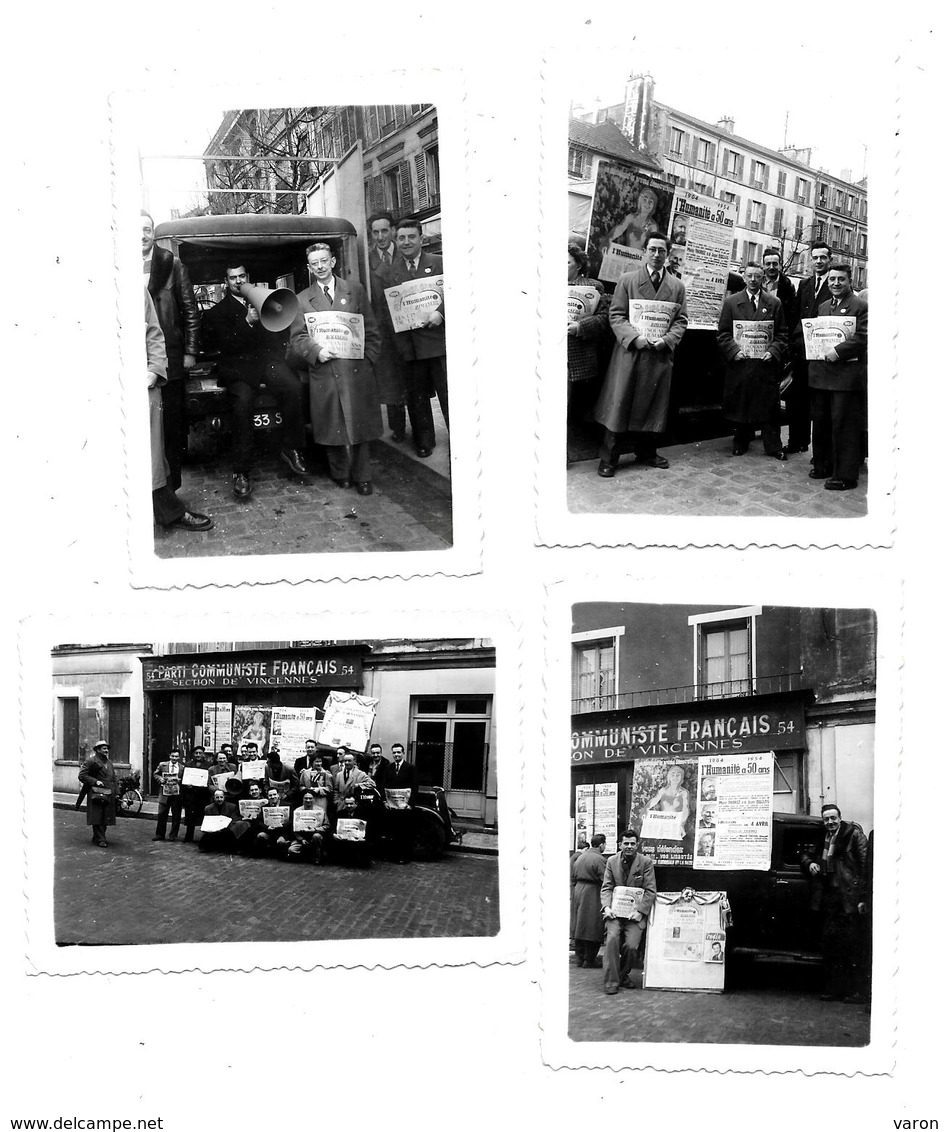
(252, 352)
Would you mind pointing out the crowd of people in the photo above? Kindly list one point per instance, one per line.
(621, 373)
(259, 806)
(402, 370)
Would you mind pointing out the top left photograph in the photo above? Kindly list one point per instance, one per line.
(295, 330)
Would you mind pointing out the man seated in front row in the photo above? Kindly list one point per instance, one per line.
(275, 836)
(310, 824)
(627, 868)
(251, 355)
(220, 840)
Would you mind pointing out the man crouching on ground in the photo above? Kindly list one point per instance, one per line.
(632, 869)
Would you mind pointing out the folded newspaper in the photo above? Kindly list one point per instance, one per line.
(350, 829)
(339, 331)
(822, 334)
(624, 898)
(754, 336)
(411, 302)
(651, 318)
(581, 302)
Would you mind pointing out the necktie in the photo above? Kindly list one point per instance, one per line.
(346, 779)
(412, 266)
(834, 304)
(656, 279)
(326, 293)
(754, 303)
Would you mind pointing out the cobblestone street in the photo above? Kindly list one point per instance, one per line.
(776, 1006)
(140, 891)
(705, 479)
(410, 508)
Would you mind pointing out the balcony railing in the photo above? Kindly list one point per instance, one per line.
(692, 693)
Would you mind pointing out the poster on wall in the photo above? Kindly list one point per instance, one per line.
(704, 228)
(662, 808)
(626, 206)
(217, 725)
(252, 725)
(291, 727)
(348, 721)
(597, 811)
(736, 807)
(685, 941)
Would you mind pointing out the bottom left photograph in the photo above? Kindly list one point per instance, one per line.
(274, 791)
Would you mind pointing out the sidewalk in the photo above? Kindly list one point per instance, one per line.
(476, 839)
(705, 479)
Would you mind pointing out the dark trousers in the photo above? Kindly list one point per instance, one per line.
(223, 841)
(798, 406)
(283, 383)
(174, 804)
(396, 418)
(175, 427)
(195, 799)
(166, 507)
(769, 434)
(645, 444)
(622, 941)
(586, 950)
(840, 946)
(98, 833)
(350, 461)
(838, 422)
(401, 830)
(425, 377)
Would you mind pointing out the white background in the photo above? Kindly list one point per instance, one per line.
(462, 1044)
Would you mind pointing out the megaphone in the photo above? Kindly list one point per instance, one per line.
(277, 309)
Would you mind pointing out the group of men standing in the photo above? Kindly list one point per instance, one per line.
(633, 405)
(336, 785)
(401, 370)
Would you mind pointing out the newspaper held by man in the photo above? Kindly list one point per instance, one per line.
(194, 776)
(581, 302)
(219, 781)
(308, 821)
(253, 770)
(214, 823)
(754, 338)
(397, 798)
(251, 807)
(170, 784)
(411, 303)
(275, 816)
(624, 898)
(350, 829)
(339, 331)
(825, 333)
(652, 318)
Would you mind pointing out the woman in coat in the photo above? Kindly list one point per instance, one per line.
(586, 926)
(98, 776)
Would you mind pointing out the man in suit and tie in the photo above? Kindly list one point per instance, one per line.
(349, 785)
(628, 868)
(309, 759)
(169, 774)
(811, 294)
(751, 385)
(343, 392)
(390, 370)
(636, 392)
(838, 389)
(400, 776)
(423, 349)
(248, 356)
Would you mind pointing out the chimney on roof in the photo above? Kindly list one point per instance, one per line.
(803, 154)
(637, 117)
(726, 124)
(846, 175)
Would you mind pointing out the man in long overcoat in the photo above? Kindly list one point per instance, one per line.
(98, 775)
(632, 869)
(585, 927)
(636, 392)
(344, 400)
(752, 385)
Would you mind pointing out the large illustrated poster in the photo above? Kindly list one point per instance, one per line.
(626, 206)
(663, 808)
(217, 725)
(291, 728)
(252, 725)
(348, 721)
(597, 811)
(734, 824)
(704, 227)
(685, 942)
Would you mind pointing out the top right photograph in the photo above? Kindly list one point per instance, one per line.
(717, 303)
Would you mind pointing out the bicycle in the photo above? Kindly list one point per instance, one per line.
(129, 798)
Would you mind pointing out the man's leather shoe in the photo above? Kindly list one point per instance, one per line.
(627, 983)
(778, 455)
(293, 461)
(341, 483)
(242, 488)
(581, 963)
(738, 450)
(606, 470)
(193, 521)
(612, 988)
(839, 485)
(424, 453)
(364, 488)
(818, 474)
(652, 461)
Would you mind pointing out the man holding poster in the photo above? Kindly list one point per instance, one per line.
(629, 878)
(648, 316)
(752, 335)
(343, 393)
(838, 379)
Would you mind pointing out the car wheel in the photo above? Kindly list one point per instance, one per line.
(429, 837)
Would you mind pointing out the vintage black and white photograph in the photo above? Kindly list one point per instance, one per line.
(717, 294)
(295, 329)
(722, 774)
(276, 791)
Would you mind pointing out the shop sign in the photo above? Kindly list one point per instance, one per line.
(756, 723)
(332, 669)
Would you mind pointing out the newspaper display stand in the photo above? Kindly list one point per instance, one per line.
(684, 944)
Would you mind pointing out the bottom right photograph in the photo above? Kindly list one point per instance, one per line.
(721, 806)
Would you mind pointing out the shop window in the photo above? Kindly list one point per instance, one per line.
(69, 731)
(449, 741)
(786, 782)
(117, 718)
(595, 669)
(725, 646)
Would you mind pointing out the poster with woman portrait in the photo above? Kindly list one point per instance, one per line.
(252, 725)
(626, 206)
(663, 805)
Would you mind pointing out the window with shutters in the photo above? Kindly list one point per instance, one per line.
(751, 252)
(117, 713)
(705, 154)
(734, 251)
(847, 238)
(862, 211)
(596, 668)
(735, 163)
(390, 177)
(387, 121)
(862, 243)
(850, 205)
(759, 175)
(677, 142)
(781, 184)
(580, 162)
(821, 229)
(405, 199)
(755, 217)
(421, 179)
(803, 190)
(778, 222)
(725, 652)
(374, 194)
(433, 174)
(798, 229)
(372, 124)
(838, 203)
(835, 235)
(69, 729)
